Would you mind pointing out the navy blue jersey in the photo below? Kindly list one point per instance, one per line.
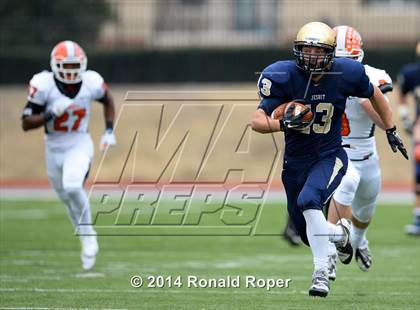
(283, 81)
(409, 82)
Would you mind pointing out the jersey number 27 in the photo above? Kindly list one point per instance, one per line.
(59, 121)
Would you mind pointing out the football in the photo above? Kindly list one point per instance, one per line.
(299, 108)
(278, 112)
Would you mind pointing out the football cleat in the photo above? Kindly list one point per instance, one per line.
(90, 249)
(414, 229)
(320, 284)
(344, 248)
(291, 235)
(364, 258)
(332, 267)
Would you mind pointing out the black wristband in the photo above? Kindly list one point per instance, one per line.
(391, 130)
(282, 127)
(109, 125)
(48, 115)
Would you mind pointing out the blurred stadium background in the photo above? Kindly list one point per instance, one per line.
(181, 44)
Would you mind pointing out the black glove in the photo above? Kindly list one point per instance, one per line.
(395, 141)
(295, 122)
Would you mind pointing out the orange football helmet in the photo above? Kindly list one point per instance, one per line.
(68, 62)
(349, 43)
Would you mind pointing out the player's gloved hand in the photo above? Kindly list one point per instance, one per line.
(108, 139)
(296, 122)
(60, 106)
(405, 119)
(395, 141)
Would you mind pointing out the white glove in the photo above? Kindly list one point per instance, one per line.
(107, 140)
(60, 106)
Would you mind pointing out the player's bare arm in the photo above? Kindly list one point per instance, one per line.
(262, 123)
(33, 121)
(109, 108)
(367, 107)
(381, 106)
(35, 116)
(108, 138)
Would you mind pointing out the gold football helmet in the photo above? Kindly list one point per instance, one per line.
(314, 34)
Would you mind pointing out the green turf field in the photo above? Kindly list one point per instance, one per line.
(40, 267)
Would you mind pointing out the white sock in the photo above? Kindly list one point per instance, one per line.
(335, 233)
(357, 235)
(331, 249)
(79, 204)
(317, 233)
(364, 243)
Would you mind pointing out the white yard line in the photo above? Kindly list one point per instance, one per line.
(220, 291)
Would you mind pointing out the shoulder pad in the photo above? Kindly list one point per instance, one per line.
(92, 79)
(279, 72)
(95, 83)
(378, 77)
(40, 86)
(351, 69)
(43, 80)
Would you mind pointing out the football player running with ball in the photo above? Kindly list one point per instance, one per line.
(314, 160)
(60, 101)
(356, 195)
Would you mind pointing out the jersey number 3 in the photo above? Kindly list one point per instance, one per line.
(266, 87)
(327, 111)
(59, 121)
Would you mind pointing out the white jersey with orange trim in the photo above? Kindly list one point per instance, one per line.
(358, 128)
(62, 132)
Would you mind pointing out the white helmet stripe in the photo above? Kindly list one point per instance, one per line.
(341, 37)
(70, 49)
